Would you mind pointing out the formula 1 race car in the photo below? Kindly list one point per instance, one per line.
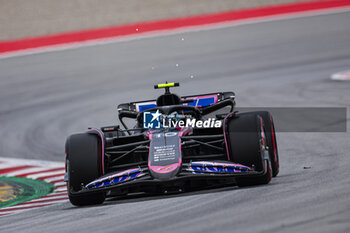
(175, 144)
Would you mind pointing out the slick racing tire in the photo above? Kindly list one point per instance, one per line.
(271, 140)
(247, 140)
(83, 166)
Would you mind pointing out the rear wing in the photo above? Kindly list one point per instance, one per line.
(199, 101)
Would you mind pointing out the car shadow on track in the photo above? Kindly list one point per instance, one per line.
(144, 197)
(140, 197)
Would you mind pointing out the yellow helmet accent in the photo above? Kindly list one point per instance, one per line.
(166, 85)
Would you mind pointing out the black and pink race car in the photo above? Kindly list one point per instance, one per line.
(175, 144)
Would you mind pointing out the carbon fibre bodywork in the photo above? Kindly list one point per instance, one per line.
(168, 159)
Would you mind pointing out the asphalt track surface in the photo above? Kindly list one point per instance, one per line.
(45, 97)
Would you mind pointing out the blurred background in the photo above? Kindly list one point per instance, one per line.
(29, 18)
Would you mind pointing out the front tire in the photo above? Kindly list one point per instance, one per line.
(83, 166)
(246, 138)
(271, 140)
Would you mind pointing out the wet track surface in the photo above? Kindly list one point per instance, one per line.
(287, 63)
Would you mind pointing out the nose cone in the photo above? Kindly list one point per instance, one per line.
(165, 158)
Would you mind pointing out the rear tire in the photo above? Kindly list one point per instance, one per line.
(246, 136)
(83, 166)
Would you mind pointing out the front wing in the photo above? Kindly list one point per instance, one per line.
(192, 174)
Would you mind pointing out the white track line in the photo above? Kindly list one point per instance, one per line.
(61, 189)
(44, 200)
(60, 184)
(39, 163)
(55, 178)
(53, 195)
(25, 171)
(341, 76)
(37, 176)
(8, 166)
(21, 208)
